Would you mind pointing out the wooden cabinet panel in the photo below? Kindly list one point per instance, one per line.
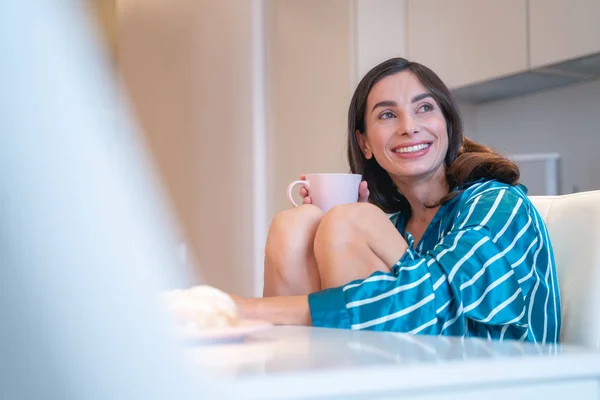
(560, 30)
(468, 41)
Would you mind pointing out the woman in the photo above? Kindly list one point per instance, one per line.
(463, 253)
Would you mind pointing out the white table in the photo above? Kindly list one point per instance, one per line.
(313, 363)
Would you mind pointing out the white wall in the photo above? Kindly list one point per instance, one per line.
(190, 68)
(565, 121)
(380, 33)
(310, 70)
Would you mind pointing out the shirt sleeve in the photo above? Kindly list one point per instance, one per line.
(477, 280)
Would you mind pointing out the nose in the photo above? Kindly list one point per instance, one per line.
(407, 125)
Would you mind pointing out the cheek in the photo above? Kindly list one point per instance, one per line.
(443, 145)
(377, 139)
(437, 126)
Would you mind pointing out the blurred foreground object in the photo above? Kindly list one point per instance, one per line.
(86, 241)
(200, 308)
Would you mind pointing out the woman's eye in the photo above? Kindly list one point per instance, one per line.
(387, 115)
(425, 108)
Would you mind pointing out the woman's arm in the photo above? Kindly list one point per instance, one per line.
(288, 310)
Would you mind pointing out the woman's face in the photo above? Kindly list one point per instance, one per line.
(405, 128)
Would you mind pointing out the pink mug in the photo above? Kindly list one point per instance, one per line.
(328, 190)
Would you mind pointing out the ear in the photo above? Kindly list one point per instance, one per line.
(364, 145)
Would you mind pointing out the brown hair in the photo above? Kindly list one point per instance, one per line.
(466, 161)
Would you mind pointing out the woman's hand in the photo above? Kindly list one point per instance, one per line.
(363, 192)
(241, 304)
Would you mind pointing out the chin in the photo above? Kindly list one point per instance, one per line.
(416, 173)
(413, 175)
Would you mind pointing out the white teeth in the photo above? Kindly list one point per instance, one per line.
(413, 149)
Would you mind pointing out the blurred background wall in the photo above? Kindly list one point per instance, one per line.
(238, 98)
(310, 70)
(188, 70)
(565, 120)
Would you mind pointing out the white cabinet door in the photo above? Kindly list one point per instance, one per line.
(560, 30)
(468, 41)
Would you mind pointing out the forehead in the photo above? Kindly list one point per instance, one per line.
(399, 87)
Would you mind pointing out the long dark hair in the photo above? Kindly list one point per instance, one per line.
(466, 161)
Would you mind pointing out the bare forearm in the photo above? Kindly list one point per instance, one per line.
(282, 310)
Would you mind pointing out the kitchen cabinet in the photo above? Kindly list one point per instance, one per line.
(468, 41)
(560, 30)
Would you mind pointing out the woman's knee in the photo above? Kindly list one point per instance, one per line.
(294, 228)
(359, 227)
(345, 224)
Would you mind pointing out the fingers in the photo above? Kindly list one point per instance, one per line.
(303, 192)
(305, 197)
(363, 192)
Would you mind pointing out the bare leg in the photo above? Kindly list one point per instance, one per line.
(290, 264)
(353, 241)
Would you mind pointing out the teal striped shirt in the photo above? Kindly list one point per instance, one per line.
(484, 267)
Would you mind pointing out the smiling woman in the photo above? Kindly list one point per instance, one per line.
(464, 252)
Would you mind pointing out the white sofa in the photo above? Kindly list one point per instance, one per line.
(574, 225)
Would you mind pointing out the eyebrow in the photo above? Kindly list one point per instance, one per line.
(391, 103)
(420, 97)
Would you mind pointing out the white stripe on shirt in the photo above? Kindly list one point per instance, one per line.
(466, 257)
(525, 254)
(503, 331)
(442, 308)
(476, 188)
(425, 325)
(389, 293)
(448, 323)
(468, 214)
(537, 279)
(517, 319)
(375, 278)
(501, 306)
(489, 289)
(512, 216)
(395, 315)
(492, 210)
(495, 258)
(545, 232)
(476, 196)
(449, 249)
(437, 284)
(546, 304)
(410, 268)
(525, 336)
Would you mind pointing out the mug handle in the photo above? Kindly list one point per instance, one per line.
(291, 187)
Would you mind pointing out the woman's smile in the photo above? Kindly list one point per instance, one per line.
(412, 150)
